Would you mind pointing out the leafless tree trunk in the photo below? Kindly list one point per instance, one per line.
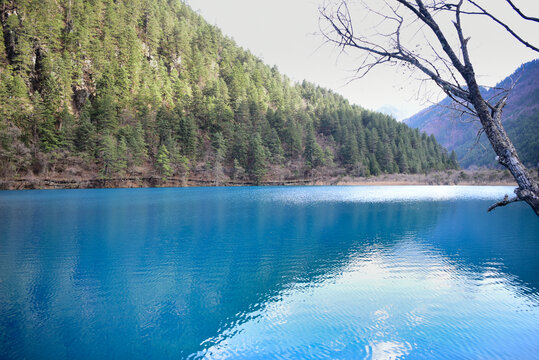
(444, 60)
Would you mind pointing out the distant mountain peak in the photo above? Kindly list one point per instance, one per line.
(397, 112)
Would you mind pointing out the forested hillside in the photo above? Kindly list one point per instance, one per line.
(520, 118)
(109, 88)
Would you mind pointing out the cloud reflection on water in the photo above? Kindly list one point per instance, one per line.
(387, 303)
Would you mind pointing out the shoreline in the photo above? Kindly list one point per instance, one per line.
(154, 182)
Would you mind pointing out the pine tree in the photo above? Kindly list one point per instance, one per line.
(238, 170)
(219, 146)
(374, 167)
(136, 145)
(384, 156)
(187, 136)
(108, 154)
(453, 162)
(402, 161)
(165, 120)
(257, 159)
(120, 163)
(313, 154)
(163, 162)
(104, 113)
(240, 146)
(293, 139)
(350, 152)
(273, 143)
(85, 133)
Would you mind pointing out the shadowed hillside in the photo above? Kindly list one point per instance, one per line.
(520, 119)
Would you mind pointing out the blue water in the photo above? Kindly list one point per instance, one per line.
(249, 273)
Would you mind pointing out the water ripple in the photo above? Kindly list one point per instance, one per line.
(283, 273)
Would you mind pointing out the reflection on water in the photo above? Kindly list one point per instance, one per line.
(390, 302)
(324, 272)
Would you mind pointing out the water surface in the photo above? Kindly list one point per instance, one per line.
(304, 272)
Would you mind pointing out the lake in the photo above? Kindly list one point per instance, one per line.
(413, 272)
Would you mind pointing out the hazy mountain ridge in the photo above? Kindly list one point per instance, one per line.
(520, 119)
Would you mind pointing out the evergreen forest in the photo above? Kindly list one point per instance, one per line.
(103, 88)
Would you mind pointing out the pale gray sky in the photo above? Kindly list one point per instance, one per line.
(283, 33)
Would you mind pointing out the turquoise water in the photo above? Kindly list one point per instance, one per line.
(269, 272)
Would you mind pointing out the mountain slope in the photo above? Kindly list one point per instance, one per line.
(147, 87)
(520, 119)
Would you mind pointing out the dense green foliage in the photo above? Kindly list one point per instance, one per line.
(148, 86)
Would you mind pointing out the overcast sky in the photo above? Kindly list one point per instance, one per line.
(283, 33)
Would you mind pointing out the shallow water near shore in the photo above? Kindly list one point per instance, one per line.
(415, 272)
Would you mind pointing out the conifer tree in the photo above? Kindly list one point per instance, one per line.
(163, 162)
(313, 154)
(108, 154)
(120, 162)
(350, 152)
(257, 159)
(136, 144)
(187, 136)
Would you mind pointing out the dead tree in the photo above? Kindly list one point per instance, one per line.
(428, 36)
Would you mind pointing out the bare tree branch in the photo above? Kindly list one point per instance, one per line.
(505, 201)
(423, 14)
(505, 26)
(520, 12)
(446, 67)
(341, 23)
(482, 11)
